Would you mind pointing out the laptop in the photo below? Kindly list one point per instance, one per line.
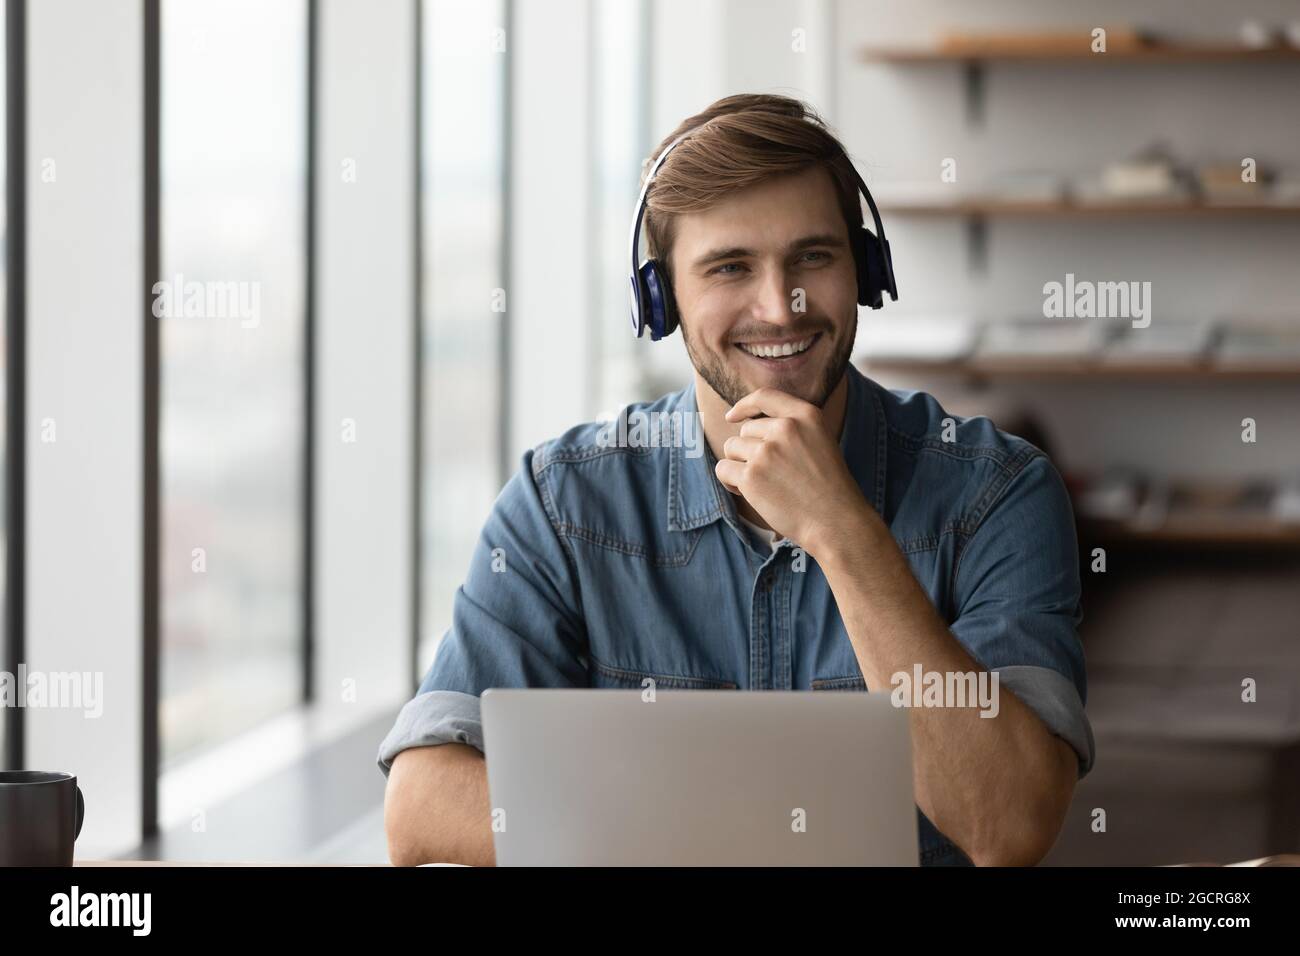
(596, 777)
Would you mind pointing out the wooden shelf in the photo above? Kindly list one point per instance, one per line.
(1126, 46)
(1089, 368)
(1146, 53)
(1210, 531)
(1070, 209)
(977, 212)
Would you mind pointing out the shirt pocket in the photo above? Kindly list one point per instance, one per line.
(607, 675)
(852, 682)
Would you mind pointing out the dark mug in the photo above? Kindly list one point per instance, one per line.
(40, 818)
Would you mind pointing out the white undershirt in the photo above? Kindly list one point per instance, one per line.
(763, 534)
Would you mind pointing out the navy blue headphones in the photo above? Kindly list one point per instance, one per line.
(653, 305)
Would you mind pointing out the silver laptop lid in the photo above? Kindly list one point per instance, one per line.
(609, 777)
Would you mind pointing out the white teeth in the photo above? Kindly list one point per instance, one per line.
(778, 351)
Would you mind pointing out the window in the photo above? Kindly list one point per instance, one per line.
(232, 350)
(621, 33)
(462, 172)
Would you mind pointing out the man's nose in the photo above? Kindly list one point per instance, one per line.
(773, 297)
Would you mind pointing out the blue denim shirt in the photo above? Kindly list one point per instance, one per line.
(601, 565)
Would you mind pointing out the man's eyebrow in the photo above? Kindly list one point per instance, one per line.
(739, 252)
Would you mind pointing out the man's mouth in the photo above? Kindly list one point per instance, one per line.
(778, 351)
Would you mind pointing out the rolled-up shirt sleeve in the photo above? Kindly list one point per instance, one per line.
(1017, 595)
(430, 718)
(516, 621)
(1057, 704)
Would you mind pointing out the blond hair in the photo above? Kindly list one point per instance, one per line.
(740, 141)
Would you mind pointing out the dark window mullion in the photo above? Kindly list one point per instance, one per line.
(151, 594)
(417, 350)
(505, 465)
(308, 584)
(16, 363)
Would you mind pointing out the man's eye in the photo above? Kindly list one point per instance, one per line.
(824, 255)
(725, 265)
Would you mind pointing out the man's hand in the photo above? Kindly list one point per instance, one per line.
(789, 468)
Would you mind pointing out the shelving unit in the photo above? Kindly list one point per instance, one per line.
(975, 54)
(1198, 530)
(1193, 525)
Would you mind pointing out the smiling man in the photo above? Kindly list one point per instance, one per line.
(837, 536)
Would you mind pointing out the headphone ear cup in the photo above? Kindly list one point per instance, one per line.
(867, 284)
(662, 309)
(670, 307)
(647, 285)
(875, 273)
(637, 300)
(887, 281)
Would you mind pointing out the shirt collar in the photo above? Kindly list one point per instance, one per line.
(697, 498)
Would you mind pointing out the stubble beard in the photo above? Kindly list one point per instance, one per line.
(731, 389)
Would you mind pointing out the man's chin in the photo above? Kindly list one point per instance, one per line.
(804, 384)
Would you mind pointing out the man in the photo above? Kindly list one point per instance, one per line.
(830, 535)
